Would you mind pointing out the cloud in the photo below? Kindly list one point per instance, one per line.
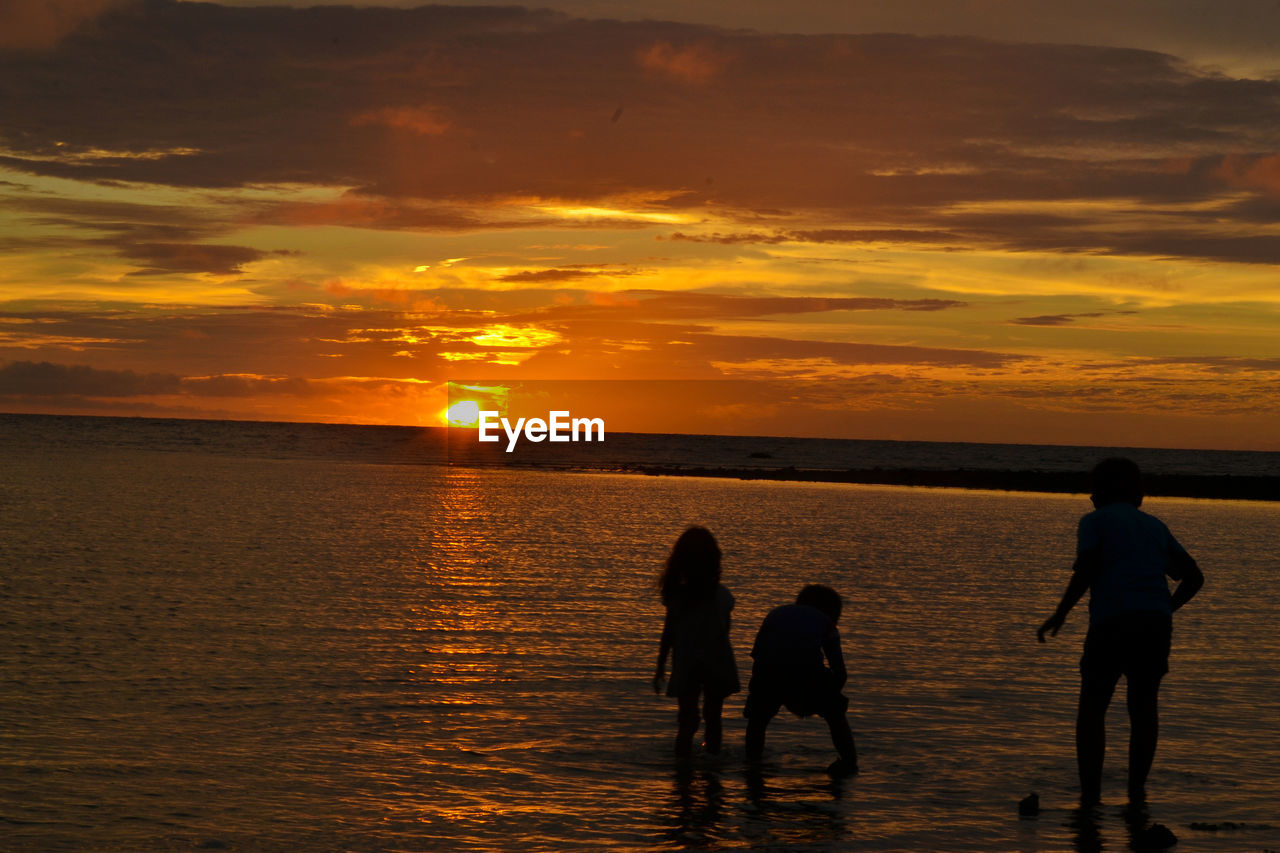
(46, 379)
(543, 276)
(239, 385)
(1052, 319)
(730, 348)
(439, 103)
(691, 63)
(43, 379)
(41, 24)
(423, 121)
(689, 306)
(163, 258)
(1218, 363)
(160, 238)
(1260, 172)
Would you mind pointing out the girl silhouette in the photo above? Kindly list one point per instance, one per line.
(696, 634)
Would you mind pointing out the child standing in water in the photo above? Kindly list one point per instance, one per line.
(696, 634)
(1123, 556)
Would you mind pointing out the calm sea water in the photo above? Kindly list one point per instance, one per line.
(205, 650)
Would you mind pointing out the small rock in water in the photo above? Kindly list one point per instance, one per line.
(1030, 805)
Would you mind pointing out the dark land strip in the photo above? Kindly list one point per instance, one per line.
(1213, 486)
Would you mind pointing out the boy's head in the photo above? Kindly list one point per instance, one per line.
(822, 597)
(1117, 480)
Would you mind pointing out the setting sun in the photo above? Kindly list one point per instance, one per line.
(463, 414)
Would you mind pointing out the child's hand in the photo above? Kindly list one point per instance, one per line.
(1052, 624)
(658, 678)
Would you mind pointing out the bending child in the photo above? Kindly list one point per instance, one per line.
(696, 634)
(789, 670)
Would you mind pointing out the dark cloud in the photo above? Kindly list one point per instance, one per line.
(247, 386)
(40, 24)
(1033, 232)
(1219, 363)
(472, 104)
(160, 238)
(1052, 319)
(1140, 241)
(542, 276)
(123, 221)
(43, 379)
(730, 348)
(232, 340)
(26, 379)
(686, 306)
(163, 258)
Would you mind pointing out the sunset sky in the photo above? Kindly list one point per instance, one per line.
(994, 220)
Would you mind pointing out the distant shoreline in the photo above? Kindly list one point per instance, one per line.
(1212, 487)
(1208, 474)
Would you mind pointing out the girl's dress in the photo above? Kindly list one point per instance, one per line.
(701, 655)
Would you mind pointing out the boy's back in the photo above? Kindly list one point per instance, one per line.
(795, 636)
(1136, 552)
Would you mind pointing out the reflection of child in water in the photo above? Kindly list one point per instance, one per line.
(788, 670)
(696, 633)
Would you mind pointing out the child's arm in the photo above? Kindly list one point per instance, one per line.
(1190, 579)
(835, 657)
(664, 648)
(1083, 574)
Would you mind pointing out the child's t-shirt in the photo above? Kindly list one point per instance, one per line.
(795, 636)
(1137, 553)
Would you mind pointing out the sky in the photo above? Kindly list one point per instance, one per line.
(975, 220)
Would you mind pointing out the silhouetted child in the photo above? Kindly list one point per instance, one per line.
(1122, 558)
(789, 670)
(696, 633)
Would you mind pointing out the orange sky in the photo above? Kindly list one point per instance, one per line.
(957, 232)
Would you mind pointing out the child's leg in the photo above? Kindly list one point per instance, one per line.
(763, 702)
(687, 722)
(756, 726)
(1091, 733)
(842, 739)
(1144, 729)
(760, 710)
(712, 706)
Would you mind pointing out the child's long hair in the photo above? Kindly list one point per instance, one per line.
(692, 572)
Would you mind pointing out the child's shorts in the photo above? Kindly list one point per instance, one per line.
(1135, 645)
(803, 692)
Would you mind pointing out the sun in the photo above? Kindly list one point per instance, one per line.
(464, 413)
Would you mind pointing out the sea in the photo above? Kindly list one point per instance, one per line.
(301, 637)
